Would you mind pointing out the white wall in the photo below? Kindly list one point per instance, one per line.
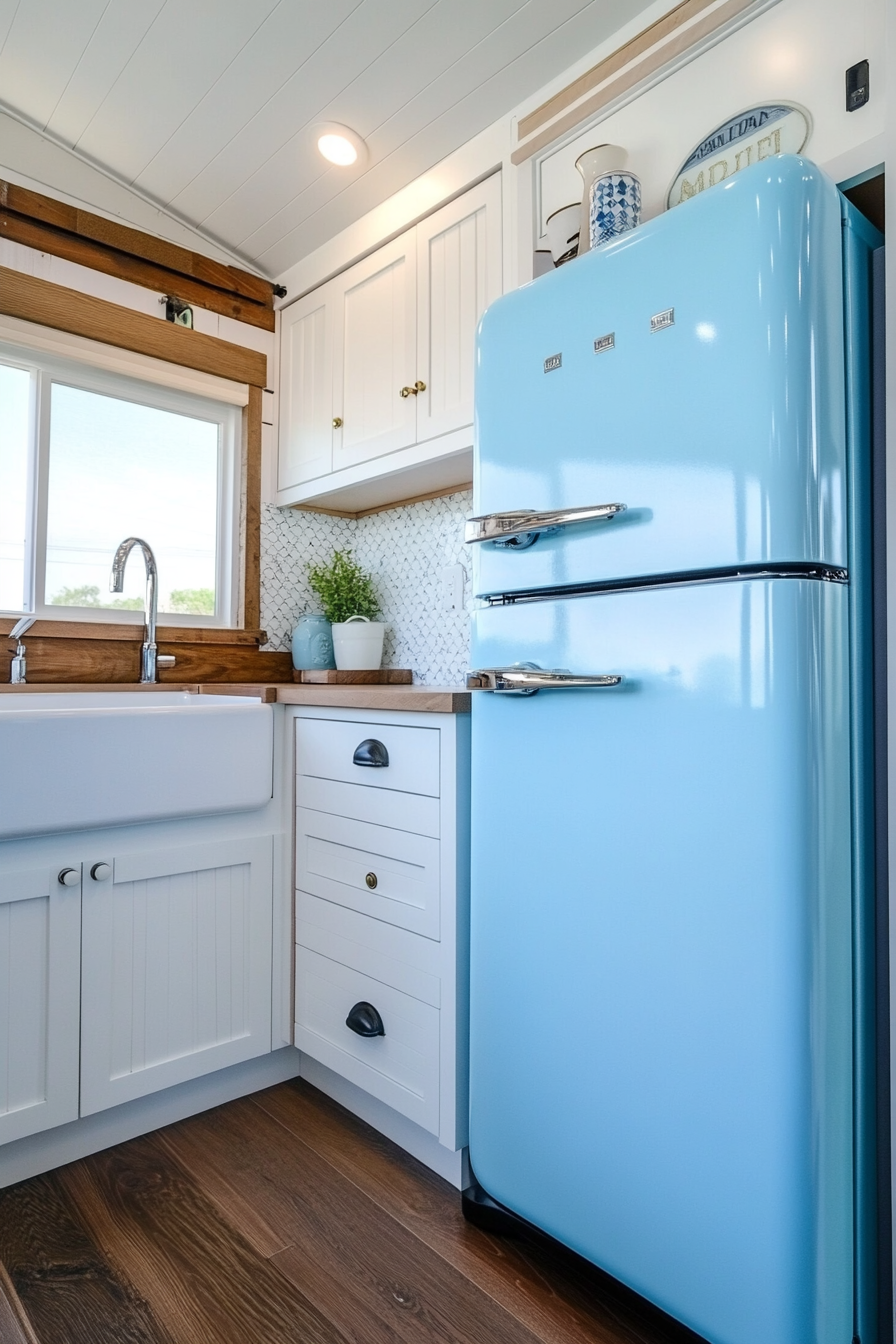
(797, 51)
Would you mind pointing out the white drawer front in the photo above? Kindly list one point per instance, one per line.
(389, 874)
(343, 925)
(383, 807)
(401, 1068)
(325, 747)
(358, 953)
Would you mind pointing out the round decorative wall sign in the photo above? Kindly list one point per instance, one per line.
(758, 133)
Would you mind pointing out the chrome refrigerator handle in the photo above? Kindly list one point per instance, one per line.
(526, 680)
(524, 526)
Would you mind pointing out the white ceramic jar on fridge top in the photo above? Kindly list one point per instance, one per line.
(358, 644)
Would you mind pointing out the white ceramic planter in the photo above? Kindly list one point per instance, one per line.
(358, 644)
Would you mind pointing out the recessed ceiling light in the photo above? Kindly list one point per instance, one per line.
(340, 145)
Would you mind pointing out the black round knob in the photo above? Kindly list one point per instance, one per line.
(364, 1020)
(370, 752)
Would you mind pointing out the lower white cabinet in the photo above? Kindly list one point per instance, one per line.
(123, 972)
(40, 968)
(382, 892)
(176, 966)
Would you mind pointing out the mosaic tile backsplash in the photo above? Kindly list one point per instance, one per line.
(405, 550)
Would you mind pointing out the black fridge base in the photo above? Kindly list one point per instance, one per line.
(486, 1213)
(482, 1211)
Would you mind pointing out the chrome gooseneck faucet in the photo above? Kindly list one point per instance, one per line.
(149, 656)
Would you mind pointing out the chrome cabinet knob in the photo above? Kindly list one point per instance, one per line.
(70, 877)
(370, 879)
(101, 872)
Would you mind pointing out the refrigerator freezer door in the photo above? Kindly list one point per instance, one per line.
(720, 425)
(661, 941)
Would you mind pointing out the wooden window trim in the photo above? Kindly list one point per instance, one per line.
(34, 300)
(90, 240)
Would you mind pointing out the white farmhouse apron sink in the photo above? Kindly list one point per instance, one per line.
(72, 761)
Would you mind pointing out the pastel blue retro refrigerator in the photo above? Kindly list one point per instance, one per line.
(670, 1055)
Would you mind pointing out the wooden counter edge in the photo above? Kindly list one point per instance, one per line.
(415, 699)
(67, 687)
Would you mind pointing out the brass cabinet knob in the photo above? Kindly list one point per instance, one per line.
(370, 879)
(337, 421)
(412, 391)
(419, 387)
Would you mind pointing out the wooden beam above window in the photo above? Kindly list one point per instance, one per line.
(41, 301)
(90, 240)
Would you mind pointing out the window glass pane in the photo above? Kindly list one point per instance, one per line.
(15, 398)
(119, 469)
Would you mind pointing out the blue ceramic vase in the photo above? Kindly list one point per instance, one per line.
(312, 644)
(615, 206)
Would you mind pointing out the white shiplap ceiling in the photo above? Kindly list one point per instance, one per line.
(209, 106)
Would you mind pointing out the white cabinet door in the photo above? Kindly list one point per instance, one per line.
(176, 967)
(458, 276)
(306, 388)
(40, 965)
(375, 354)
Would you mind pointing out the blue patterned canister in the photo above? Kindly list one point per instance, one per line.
(615, 206)
(312, 643)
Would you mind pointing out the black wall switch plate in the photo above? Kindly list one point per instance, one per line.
(857, 89)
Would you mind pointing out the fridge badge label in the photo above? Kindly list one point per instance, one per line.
(750, 137)
(660, 321)
(552, 362)
(603, 343)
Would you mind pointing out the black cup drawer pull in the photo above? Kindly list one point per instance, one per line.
(370, 752)
(364, 1020)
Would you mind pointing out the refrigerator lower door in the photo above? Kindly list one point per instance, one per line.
(661, 946)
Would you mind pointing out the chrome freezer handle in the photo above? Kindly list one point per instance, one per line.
(524, 526)
(528, 680)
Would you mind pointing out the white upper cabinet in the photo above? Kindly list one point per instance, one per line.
(377, 364)
(375, 329)
(458, 275)
(306, 382)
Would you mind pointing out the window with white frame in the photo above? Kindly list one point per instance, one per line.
(89, 457)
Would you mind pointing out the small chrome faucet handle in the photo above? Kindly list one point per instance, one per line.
(18, 667)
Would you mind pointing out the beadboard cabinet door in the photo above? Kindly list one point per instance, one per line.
(40, 968)
(458, 276)
(375, 354)
(306, 382)
(176, 967)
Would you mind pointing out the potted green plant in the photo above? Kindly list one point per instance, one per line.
(351, 605)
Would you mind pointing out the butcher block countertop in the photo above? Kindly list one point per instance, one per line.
(419, 699)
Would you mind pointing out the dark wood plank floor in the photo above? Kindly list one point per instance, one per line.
(279, 1219)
